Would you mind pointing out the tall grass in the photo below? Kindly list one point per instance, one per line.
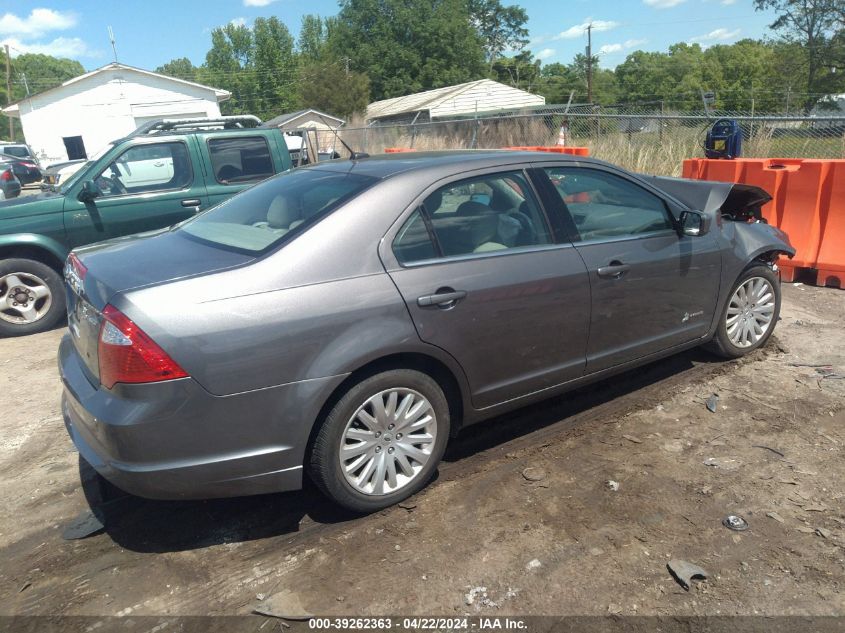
(657, 151)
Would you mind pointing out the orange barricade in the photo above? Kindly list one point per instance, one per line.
(556, 149)
(398, 150)
(831, 259)
(808, 203)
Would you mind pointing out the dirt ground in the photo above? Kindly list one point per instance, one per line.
(483, 539)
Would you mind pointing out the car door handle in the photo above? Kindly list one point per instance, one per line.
(444, 298)
(193, 202)
(614, 270)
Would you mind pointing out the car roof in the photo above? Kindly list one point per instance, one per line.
(387, 165)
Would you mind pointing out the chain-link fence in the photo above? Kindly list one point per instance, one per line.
(643, 140)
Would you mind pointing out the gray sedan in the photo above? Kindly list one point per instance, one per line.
(344, 320)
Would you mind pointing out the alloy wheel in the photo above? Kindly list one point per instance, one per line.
(388, 441)
(750, 312)
(24, 298)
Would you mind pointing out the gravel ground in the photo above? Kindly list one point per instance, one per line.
(574, 506)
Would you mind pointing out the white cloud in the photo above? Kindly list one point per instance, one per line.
(663, 4)
(579, 29)
(257, 3)
(716, 36)
(238, 21)
(545, 53)
(615, 48)
(728, 2)
(610, 48)
(39, 22)
(72, 47)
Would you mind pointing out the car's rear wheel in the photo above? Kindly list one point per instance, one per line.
(750, 314)
(31, 297)
(382, 441)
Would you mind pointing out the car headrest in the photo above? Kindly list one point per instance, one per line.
(282, 213)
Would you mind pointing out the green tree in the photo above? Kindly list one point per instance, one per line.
(557, 81)
(500, 27)
(520, 71)
(817, 26)
(275, 68)
(313, 33)
(257, 65)
(328, 87)
(181, 68)
(405, 46)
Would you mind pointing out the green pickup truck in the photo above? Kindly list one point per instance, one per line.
(161, 174)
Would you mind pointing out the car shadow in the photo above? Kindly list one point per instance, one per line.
(149, 526)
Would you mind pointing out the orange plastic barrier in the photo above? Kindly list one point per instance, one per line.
(398, 150)
(831, 259)
(808, 203)
(556, 149)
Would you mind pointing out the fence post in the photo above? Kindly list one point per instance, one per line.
(660, 124)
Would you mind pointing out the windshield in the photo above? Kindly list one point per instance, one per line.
(67, 184)
(259, 218)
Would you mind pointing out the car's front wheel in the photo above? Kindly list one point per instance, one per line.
(382, 441)
(750, 314)
(31, 297)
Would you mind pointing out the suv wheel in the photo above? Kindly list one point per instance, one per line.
(750, 314)
(382, 441)
(31, 297)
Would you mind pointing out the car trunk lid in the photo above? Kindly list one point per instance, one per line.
(129, 263)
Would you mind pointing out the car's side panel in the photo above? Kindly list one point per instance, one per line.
(667, 297)
(522, 325)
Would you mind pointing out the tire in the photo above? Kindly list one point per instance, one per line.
(729, 340)
(414, 453)
(28, 275)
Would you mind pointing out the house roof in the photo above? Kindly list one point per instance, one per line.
(490, 94)
(221, 95)
(284, 119)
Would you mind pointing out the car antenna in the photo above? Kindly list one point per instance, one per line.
(353, 155)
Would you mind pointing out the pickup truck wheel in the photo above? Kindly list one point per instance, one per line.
(750, 315)
(382, 441)
(31, 297)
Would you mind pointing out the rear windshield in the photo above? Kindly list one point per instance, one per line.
(16, 150)
(259, 218)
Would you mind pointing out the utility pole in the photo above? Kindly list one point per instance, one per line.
(590, 63)
(9, 92)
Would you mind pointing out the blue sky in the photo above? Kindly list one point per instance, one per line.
(151, 32)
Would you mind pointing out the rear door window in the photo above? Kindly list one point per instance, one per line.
(413, 242)
(487, 213)
(240, 159)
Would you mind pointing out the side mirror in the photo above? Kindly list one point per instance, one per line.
(694, 223)
(89, 191)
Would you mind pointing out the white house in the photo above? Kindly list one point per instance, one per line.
(82, 115)
(484, 95)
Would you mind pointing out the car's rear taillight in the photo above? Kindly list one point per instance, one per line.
(76, 266)
(127, 354)
(7, 175)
